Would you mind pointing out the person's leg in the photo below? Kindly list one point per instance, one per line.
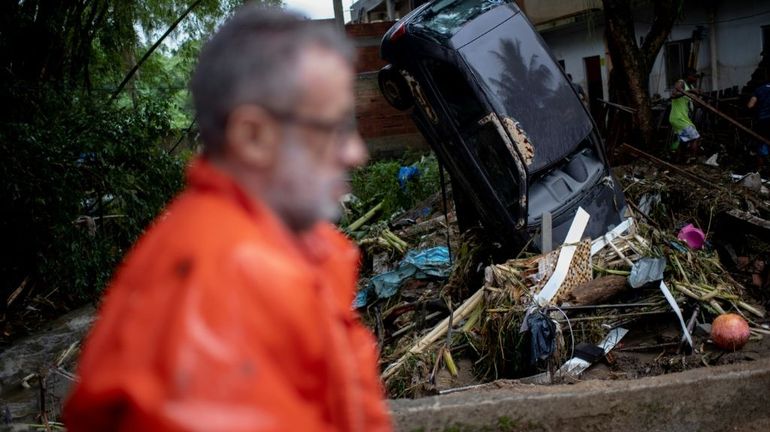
(675, 148)
(690, 137)
(763, 130)
(694, 147)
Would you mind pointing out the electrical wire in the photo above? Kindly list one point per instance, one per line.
(734, 19)
(758, 14)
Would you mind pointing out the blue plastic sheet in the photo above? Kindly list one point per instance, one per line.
(406, 173)
(422, 264)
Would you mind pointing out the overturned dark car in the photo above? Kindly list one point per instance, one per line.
(502, 118)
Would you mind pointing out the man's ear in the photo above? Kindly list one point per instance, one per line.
(252, 136)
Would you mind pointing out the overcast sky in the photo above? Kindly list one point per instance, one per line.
(318, 8)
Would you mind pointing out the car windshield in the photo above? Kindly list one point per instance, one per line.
(445, 17)
(529, 89)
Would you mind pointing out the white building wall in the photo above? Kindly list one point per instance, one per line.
(539, 11)
(574, 45)
(739, 40)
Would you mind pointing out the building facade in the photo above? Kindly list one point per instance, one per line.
(369, 11)
(723, 40)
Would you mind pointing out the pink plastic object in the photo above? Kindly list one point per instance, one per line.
(693, 236)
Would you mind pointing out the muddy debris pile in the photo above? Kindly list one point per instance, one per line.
(638, 301)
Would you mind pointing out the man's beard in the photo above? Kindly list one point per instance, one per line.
(299, 195)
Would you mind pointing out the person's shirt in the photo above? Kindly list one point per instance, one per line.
(762, 93)
(680, 107)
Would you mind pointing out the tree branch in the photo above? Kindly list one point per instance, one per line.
(664, 15)
(620, 24)
(152, 49)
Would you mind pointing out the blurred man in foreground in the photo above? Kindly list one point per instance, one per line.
(233, 312)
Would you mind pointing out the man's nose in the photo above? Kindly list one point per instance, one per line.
(354, 152)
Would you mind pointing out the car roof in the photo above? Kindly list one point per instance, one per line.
(457, 22)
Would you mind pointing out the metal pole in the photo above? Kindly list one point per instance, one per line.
(737, 124)
(546, 233)
(339, 14)
(391, 10)
(713, 46)
(446, 209)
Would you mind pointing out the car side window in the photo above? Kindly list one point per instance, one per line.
(485, 145)
(453, 89)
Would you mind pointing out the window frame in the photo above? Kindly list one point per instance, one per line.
(685, 45)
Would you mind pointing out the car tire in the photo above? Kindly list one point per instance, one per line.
(394, 88)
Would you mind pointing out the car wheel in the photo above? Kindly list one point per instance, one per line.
(394, 88)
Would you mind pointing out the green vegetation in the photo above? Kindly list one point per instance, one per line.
(82, 185)
(94, 101)
(378, 182)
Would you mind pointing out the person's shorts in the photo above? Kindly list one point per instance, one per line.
(688, 134)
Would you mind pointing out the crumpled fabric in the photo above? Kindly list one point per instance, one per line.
(423, 264)
(543, 340)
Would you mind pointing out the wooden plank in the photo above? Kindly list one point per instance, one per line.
(684, 173)
(753, 224)
(598, 291)
(736, 123)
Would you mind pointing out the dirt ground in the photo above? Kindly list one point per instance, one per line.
(651, 348)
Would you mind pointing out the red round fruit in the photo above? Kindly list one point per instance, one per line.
(730, 332)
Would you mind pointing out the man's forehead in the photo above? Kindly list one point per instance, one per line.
(325, 76)
(321, 63)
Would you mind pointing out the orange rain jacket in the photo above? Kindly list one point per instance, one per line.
(220, 319)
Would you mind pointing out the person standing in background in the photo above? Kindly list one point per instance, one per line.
(679, 118)
(760, 103)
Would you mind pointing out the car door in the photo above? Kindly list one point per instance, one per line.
(484, 142)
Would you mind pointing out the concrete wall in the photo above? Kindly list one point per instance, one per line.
(574, 44)
(540, 11)
(380, 13)
(387, 131)
(367, 38)
(739, 41)
(723, 398)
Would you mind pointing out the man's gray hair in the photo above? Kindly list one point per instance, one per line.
(252, 60)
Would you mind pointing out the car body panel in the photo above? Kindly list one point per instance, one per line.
(528, 87)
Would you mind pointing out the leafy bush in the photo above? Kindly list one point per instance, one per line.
(378, 182)
(82, 180)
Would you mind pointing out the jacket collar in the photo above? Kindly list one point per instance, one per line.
(205, 177)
